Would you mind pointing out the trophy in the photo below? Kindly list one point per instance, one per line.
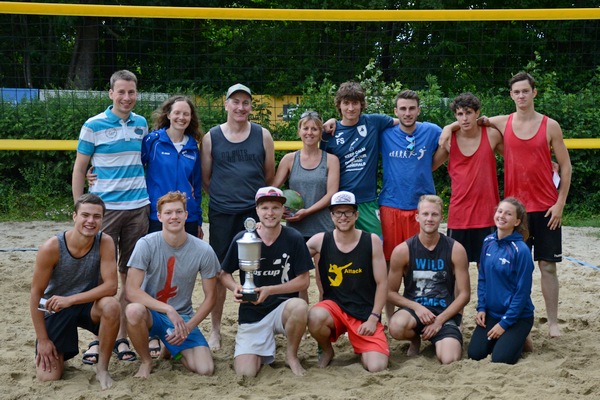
(249, 258)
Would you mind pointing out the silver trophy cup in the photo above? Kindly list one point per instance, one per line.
(249, 246)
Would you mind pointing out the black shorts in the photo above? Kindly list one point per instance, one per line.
(450, 329)
(223, 228)
(546, 243)
(472, 240)
(62, 328)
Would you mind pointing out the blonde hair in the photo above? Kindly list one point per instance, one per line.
(310, 116)
(431, 198)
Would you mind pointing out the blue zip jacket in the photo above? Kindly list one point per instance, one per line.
(167, 170)
(505, 279)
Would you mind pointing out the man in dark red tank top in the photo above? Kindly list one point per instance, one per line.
(530, 138)
(473, 172)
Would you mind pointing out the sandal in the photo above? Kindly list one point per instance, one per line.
(155, 349)
(90, 358)
(122, 354)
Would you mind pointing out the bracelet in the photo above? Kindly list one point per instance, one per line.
(376, 315)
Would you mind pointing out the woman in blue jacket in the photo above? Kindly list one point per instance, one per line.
(504, 309)
(172, 159)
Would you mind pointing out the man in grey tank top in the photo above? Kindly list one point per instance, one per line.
(66, 293)
(435, 272)
(237, 159)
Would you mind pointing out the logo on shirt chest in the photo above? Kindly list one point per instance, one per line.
(111, 133)
(362, 130)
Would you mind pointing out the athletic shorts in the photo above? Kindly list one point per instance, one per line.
(450, 329)
(346, 323)
(397, 225)
(160, 324)
(62, 328)
(223, 227)
(258, 338)
(472, 240)
(126, 227)
(368, 218)
(546, 243)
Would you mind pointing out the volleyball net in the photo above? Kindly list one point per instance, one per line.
(70, 50)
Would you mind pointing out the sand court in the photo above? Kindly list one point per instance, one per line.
(560, 368)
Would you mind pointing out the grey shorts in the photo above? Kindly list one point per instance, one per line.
(259, 337)
(126, 227)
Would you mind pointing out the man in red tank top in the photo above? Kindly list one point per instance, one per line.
(473, 172)
(530, 138)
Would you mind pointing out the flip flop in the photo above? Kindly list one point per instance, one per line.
(90, 358)
(155, 349)
(121, 354)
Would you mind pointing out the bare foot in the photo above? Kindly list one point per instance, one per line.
(214, 342)
(528, 345)
(295, 366)
(325, 356)
(415, 347)
(554, 330)
(144, 371)
(105, 379)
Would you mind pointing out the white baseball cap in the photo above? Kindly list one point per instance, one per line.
(238, 87)
(343, 198)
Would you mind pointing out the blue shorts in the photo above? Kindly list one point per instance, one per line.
(160, 324)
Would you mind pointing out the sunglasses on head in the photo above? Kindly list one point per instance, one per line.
(312, 114)
(411, 143)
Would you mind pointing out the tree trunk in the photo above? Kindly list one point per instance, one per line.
(81, 70)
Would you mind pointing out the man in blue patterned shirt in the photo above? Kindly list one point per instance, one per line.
(112, 142)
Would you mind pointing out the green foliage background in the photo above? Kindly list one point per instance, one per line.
(37, 184)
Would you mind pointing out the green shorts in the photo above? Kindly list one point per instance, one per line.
(368, 218)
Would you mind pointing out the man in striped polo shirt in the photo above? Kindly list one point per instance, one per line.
(112, 142)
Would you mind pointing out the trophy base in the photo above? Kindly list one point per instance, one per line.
(249, 296)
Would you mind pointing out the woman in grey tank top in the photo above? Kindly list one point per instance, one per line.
(314, 174)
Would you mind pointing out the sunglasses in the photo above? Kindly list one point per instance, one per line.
(411, 143)
(312, 114)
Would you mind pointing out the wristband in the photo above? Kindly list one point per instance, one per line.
(376, 315)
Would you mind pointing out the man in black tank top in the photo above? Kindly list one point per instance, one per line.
(352, 282)
(435, 271)
(66, 274)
